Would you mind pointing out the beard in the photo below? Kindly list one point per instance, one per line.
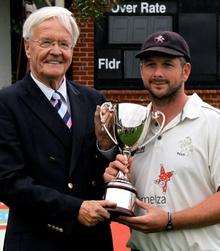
(166, 98)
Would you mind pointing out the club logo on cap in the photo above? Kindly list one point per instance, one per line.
(159, 39)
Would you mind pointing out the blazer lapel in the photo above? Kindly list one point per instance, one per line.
(40, 105)
(78, 115)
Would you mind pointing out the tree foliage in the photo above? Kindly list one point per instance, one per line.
(93, 8)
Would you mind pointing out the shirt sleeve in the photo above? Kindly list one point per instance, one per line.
(214, 150)
(109, 154)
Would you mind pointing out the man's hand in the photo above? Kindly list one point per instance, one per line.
(104, 141)
(92, 212)
(121, 163)
(154, 220)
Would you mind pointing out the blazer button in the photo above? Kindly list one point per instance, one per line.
(70, 185)
(93, 183)
(52, 158)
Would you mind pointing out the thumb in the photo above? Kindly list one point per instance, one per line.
(98, 108)
(107, 203)
(97, 111)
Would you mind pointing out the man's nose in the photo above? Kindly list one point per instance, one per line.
(55, 49)
(158, 72)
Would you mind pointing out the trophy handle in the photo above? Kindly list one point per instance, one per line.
(109, 106)
(126, 151)
(155, 115)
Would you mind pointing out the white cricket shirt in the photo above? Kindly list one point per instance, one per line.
(178, 170)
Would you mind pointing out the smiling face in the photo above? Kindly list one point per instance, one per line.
(49, 65)
(164, 77)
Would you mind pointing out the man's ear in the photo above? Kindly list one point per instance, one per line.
(27, 48)
(141, 70)
(186, 71)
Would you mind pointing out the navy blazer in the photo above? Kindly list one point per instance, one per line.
(47, 170)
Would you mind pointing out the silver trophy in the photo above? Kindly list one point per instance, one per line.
(129, 133)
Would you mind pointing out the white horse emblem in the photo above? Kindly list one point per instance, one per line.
(159, 39)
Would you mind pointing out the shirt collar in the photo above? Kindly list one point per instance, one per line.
(48, 92)
(192, 108)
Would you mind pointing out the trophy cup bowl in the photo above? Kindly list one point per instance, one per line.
(130, 127)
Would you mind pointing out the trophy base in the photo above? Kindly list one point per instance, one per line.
(123, 194)
(119, 211)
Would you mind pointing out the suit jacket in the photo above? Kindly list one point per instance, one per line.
(47, 170)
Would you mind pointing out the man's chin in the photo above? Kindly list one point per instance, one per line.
(158, 95)
(54, 75)
(53, 79)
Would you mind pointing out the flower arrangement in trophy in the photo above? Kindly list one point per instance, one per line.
(130, 133)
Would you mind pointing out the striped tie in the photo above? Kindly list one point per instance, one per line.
(61, 107)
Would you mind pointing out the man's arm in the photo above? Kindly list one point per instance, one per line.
(30, 198)
(155, 219)
(204, 214)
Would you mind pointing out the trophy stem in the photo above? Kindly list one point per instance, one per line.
(127, 153)
(121, 176)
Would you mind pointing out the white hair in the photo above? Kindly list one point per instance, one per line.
(65, 17)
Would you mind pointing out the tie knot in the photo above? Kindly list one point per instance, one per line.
(56, 96)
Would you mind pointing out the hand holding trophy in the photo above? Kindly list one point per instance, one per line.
(130, 130)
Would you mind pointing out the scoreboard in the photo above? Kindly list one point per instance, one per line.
(119, 35)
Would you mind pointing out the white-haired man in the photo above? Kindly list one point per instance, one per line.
(50, 171)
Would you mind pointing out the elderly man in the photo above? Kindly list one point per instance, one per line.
(50, 170)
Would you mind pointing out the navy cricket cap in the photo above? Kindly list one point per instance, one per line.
(165, 42)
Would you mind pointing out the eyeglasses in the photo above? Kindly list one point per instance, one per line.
(47, 43)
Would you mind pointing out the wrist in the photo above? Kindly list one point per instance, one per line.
(169, 225)
(105, 145)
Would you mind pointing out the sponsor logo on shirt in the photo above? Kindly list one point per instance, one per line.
(163, 178)
(155, 200)
(185, 147)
